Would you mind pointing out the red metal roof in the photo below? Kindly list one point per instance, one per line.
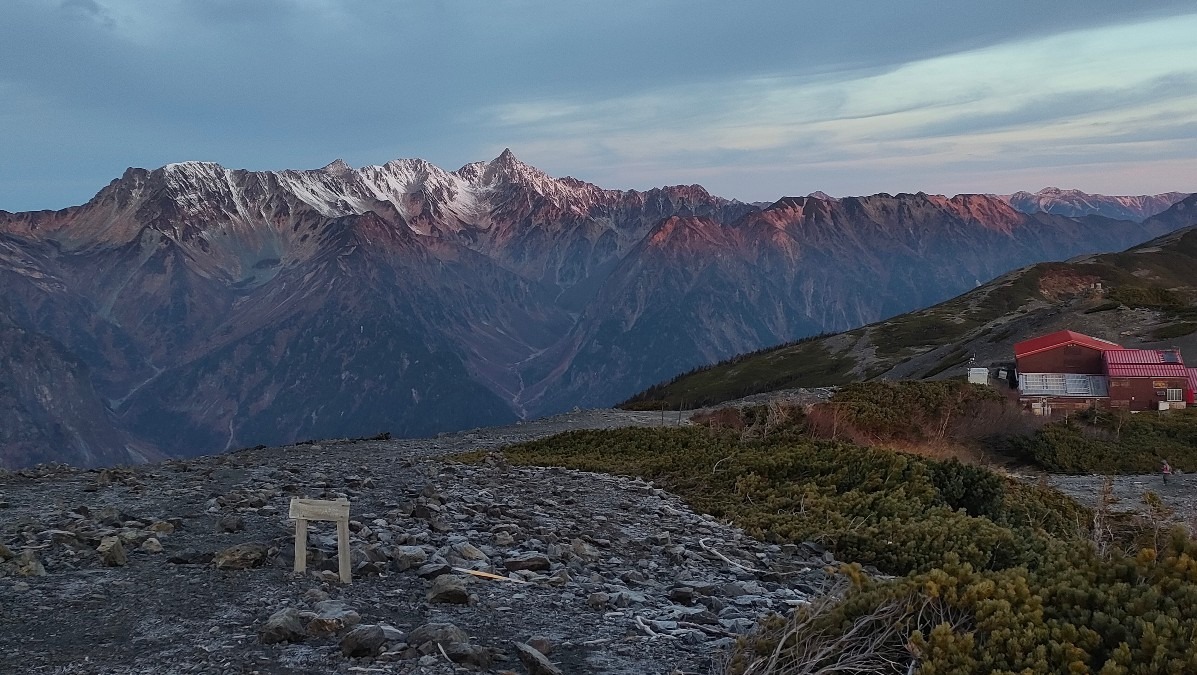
(1142, 356)
(1060, 339)
(1144, 363)
(1170, 370)
(1192, 378)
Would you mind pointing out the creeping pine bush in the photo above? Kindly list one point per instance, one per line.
(994, 576)
(1114, 442)
(903, 410)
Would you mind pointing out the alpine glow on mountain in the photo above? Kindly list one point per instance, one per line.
(197, 308)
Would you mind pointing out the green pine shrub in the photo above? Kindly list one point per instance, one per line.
(994, 576)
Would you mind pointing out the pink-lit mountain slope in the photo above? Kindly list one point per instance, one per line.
(209, 308)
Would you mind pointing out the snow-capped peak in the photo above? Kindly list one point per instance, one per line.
(338, 167)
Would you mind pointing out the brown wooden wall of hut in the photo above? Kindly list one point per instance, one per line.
(1139, 393)
(1063, 359)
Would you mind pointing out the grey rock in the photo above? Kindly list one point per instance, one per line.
(314, 595)
(332, 616)
(392, 634)
(535, 562)
(467, 551)
(28, 564)
(584, 550)
(630, 599)
(439, 633)
(433, 570)
(468, 654)
(683, 595)
(241, 556)
(541, 644)
(112, 552)
(109, 515)
(282, 626)
(231, 523)
(450, 589)
(536, 662)
(162, 527)
(407, 557)
(364, 640)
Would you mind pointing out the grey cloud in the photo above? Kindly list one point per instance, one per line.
(88, 10)
(275, 83)
(1051, 107)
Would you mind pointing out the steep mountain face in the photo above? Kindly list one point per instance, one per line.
(49, 410)
(1145, 296)
(800, 267)
(1076, 203)
(202, 308)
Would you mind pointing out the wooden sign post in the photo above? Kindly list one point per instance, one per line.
(303, 510)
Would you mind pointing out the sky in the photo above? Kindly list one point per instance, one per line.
(753, 100)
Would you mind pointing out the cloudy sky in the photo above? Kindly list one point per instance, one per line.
(754, 100)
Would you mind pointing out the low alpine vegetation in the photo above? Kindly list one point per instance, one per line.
(991, 575)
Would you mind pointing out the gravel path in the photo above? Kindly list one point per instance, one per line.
(1178, 494)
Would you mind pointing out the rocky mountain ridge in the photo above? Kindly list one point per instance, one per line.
(1077, 203)
(208, 309)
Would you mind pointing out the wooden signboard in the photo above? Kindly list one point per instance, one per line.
(303, 510)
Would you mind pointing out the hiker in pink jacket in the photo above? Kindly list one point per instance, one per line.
(1166, 470)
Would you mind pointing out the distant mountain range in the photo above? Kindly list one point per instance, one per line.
(193, 308)
(1076, 203)
(1145, 296)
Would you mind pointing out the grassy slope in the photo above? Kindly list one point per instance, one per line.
(1146, 296)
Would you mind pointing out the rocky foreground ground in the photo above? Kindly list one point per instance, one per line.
(186, 566)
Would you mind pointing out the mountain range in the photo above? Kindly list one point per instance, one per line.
(1076, 203)
(1145, 297)
(193, 308)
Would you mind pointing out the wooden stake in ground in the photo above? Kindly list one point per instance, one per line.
(303, 510)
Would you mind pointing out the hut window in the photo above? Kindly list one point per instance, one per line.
(1175, 394)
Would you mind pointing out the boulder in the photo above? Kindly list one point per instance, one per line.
(364, 640)
(407, 557)
(241, 556)
(282, 626)
(439, 633)
(536, 662)
(112, 552)
(162, 527)
(29, 566)
(332, 616)
(450, 589)
(534, 562)
(230, 524)
(468, 654)
(584, 550)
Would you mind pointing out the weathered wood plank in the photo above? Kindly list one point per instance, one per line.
(303, 510)
(301, 545)
(320, 509)
(343, 551)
